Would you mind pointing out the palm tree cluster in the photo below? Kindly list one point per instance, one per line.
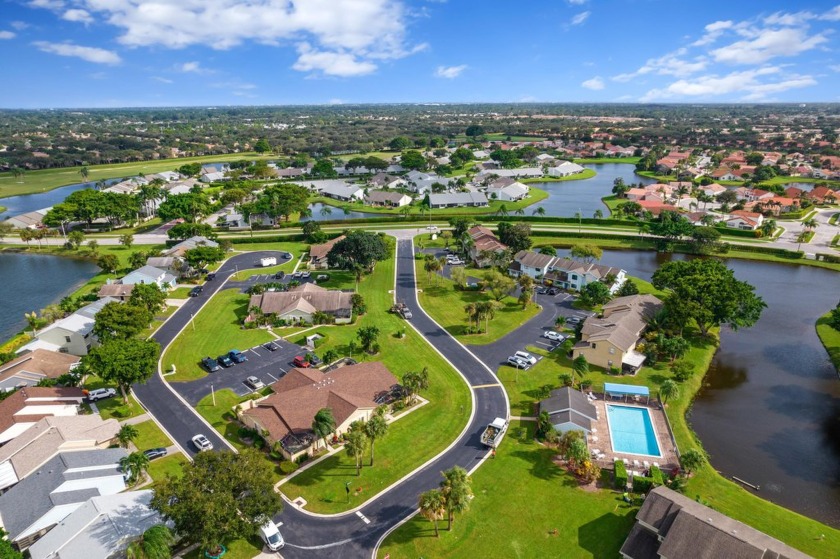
(481, 310)
(453, 496)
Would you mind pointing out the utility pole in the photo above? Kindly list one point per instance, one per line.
(213, 392)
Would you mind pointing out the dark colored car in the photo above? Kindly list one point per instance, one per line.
(210, 364)
(271, 346)
(211, 276)
(224, 361)
(300, 361)
(196, 291)
(153, 453)
(314, 359)
(542, 290)
(237, 356)
(553, 291)
(280, 275)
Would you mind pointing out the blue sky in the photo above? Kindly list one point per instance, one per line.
(114, 53)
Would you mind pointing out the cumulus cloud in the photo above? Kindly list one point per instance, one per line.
(4, 35)
(580, 18)
(671, 64)
(596, 83)
(449, 72)
(82, 16)
(713, 31)
(162, 79)
(90, 54)
(754, 84)
(577, 2)
(832, 15)
(19, 25)
(193, 67)
(341, 64)
(768, 44)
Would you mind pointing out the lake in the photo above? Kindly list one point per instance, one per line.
(30, 282)
(337, 213)
(16, 205)
(769, 412)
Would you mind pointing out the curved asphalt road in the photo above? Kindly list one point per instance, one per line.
(347, 535)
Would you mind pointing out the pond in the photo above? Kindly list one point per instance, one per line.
(769, 412)
(30, 282)
(16, 205)
(336, 213)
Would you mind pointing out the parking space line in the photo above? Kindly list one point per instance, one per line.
(272, 377)
(363, 517)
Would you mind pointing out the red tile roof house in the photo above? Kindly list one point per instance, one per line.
(351, 392)
(741, 219)
(318, 253)
(655, 207)
(823, 195)
(484, 242)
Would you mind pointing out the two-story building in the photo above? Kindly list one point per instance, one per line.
(151, 275)
(72, 334)
(564, 272)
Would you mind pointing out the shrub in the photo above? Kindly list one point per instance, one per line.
(615, 371)
(274, 455)
(259, 443)
(566, 379)
(302, 459)
(246, 433)
(287, 467)
(586, 384)
(683, 370)
(656, 475)
(620, 475)
(642, 484)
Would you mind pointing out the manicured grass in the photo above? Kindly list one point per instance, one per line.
(150, 436)
(171, 465)
(113, 407)
(221, 416)
(445, 304)
(179, 293)
(216, 329)
(830, 339)
(585, 174)
(47, 179)
(236, 549)
(295, 248)
(500, 137)
(412, 439)
(596, 160)
(524, 506)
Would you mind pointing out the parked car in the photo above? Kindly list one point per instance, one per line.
(300, 361)
(314, 360)
(305, 274)
(542, 290)
(280, 275)
(153, 453)
(196, 291)
(101, 394)
(553, 291)
(554, 336)
(271, 346)
(211, 276)
(517, 362)
(271, 536)
(225, 361)
(211, 365)
(202, 443)
(297, 275)
(525, 356)
(322, 277)
(254, 383)
(572, 320)
(237, 356)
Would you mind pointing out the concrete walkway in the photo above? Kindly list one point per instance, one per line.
(136, 419)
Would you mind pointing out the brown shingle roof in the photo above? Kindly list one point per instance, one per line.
(42, 362)
(623, 320)
(307, 298)
(115, 290)
(319, 252)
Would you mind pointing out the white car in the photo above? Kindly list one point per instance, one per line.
(455, 262)
(101, 394)
(272, 536)
(525, 356)
(554, 336)
(517, 362)
(202, 443)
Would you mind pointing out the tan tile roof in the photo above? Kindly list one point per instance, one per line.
(307, 298)
(319, 252)
(115, 290)
(302, 392)
(44, 362)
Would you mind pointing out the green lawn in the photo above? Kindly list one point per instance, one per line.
(171, 465)
(47, 179)
(524, 506)
(215, 330)
(236, 549)
(411, 440)
(221, 416)
(179, 293)
(113, 408)
(150, 436)
(445, 304)
(295, 248)
(830, 339)
(585, 174)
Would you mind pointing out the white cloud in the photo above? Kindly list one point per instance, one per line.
(753, 84)
(6, 35)
(343, 37)
(192, 67)
(767, 44)
(671, 64)
(832, 15)
(82, 16)
(835, 67)
(449, 72)
(162, 79)
(335, 102)
(713, 31)
(580, 18)
(90, 54)
(19, 25)
(342, 64)
(788, 19)
(577, 2)
(595, 83)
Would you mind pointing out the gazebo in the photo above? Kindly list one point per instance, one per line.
(624, 390)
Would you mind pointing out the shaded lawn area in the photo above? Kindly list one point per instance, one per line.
(221, 416)
(539, 512)
(830, 339)
(113, 408)
(216, 329)
(236, 549)
(150, 436)
(295, 248)
(171, 465)
(445, 305)
(412, 439)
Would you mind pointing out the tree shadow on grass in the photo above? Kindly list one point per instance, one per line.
(604, 536)
(543, 467)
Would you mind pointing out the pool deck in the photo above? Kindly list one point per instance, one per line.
(600, 438)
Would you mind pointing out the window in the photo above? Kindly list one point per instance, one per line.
(593, 345)
(574, 276)
(612, 350)
(67, 339)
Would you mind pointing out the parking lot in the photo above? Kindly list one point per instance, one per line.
(268, 366)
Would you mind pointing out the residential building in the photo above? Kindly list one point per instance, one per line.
(188, 244)
(300, 303)
(609, 341)
(569, 410)
(72, 334)
(59, 487)
(102, 527)
(420, 183)
(351, 392)
(31, 368)
(214, 177)
(385, 198)
(151, 275)
(741, 219)
(509, 193)
(520, 173)
(564, 272)
(170, 264)
(336, 189)
(115, 290)
(318, 253)
(384, 180)
(484, 242)
(458, 199)
(30, 404)
(532, 264)
(670, 525)
(28, 220)
(565, 169)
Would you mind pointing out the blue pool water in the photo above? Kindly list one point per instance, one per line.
(631, 430)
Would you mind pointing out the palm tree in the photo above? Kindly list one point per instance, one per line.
(323, 424)
(405, 210)
(469, 308)
(135, 464)
(432, 507)
(669, 389)
(539, 211)
(456, 492)
(502, 210)
(598, 214)
(356, 443)
(519, 211)
(580, 366)
(32, 319)
(126, 434)
(375, 428)
(810, 224)
(84, 172)
(692, 460)
(154, 543)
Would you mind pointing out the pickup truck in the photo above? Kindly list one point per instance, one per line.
(494, 432)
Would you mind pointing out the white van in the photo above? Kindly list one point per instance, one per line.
(271, 536)
(266, 262)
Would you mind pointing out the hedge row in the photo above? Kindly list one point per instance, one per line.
(780, 252)
(656, 475)
(833, 258)
(555, 219)
(620, 475)
(642, 484)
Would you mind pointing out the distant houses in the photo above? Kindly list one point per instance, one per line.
(565, 169)
(387, 199)
(458, 199)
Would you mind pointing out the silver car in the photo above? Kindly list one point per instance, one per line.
(202, 443)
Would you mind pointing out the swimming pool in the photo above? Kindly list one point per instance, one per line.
(631, 430)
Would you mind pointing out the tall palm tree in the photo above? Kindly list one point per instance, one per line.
(432, 507)
(810, 224)
(669, 389)
(519, 211)
(472, 314)
(126, 434)
(135, 464)
(154, 543)
(456, 492)
(375, 428)
(356, 443)
(502, 210)
(323, 424)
